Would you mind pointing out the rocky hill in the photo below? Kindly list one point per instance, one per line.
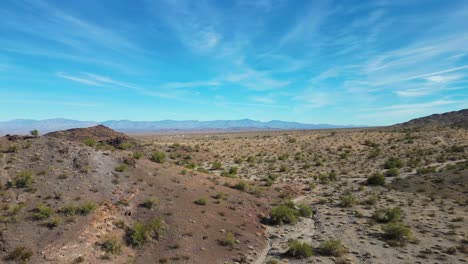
(449, 119)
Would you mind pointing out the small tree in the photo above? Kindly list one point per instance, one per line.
(34, 133)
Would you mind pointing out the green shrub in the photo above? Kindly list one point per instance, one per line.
(347, 200)
(283, 214)
(283, 168)
(90, 142)
(387, 215)
(228, 240)
(201, 201)
(324, 179)
(34, 133)
(121, 168)
(149, 203)
(242, 186)
(54, 222)
(158, 157)
(312, 186)
(19, 254)
(233, 170)
(376, 179)
(397, 232)
(22, 179)
(42, 211)
(86, 208)
(393, 163)
(331, 247)
(12, 148)
(216, 165)
(111, 245)
(304, 210)
(457, 148)
(142, 233)
(426, 170)
(393, 172)
(299, 249)
(124, 145)
(332, 176)
(137, 155)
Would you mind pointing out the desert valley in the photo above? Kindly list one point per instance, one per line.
(395, 194)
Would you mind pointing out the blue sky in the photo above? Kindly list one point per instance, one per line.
(339, 62)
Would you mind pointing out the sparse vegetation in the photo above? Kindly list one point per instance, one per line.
(142, 233)
(19, 254)
(298, 249)
(376, 179)
(22, 179)
(331, 247)
(158, 157)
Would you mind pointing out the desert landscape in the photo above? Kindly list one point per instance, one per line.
(394, 194)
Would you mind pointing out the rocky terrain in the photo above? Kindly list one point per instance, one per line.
(93, 195)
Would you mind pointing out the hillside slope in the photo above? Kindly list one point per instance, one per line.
(449, 119)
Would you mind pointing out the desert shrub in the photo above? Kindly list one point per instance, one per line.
(54, 222)
(90, 142)
(371, 200)
(228, 240)
(42, 211)
(376, 179)
(79, 259)
(347, 200)
(387, 215)
(283, 156)
(304, 210)
(242, 186)
(34, 133)
(19, 254)
(22, 179)
(283, 168)
(201, 169)
(137, 155)
(158, 157)
(86, 208)
(299, 249)
(273, 261)
(425, 170)
(216, 165)
(226, 174)
(332, 175)
(331, 247)
(324, 179)
(201, 201)
(142, 233)
(124, 145)
(312, 186)
(149, 203)
(12, 148)
(250, 159)
(292, 140)
(374, 153)
(298, 156)
(393, 163)
(121, 168)
(456, 148)
(393, 172)
(283, 214)
(233, 170)
(397, 232)
(111, 245)
(219, 195)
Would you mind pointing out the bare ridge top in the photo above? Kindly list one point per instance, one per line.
(98, 133)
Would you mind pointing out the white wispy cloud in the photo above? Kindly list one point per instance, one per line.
(89, 81)
(177, 85)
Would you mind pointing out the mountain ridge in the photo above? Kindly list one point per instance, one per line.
(23, 126)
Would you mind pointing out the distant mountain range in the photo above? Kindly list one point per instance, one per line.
(23, 126)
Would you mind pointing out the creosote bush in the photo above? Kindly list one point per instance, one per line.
(158, 157)
(149, 203)
(121, 168)
(241, 186)
(42, 211)
(201, 201)
(347, 200)
(298, 249)
(228, 240)
(142, 233)
(22, 179)
(90, 142)
(393, 163)
(137, 155)
(331, 247)
(283, 214)
(19, 254)
(397, 233)
(111, 245)
(376, 179)
(387, 215)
